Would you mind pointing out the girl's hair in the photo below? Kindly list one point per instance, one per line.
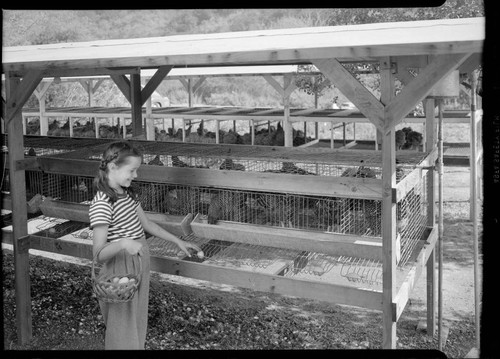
(116, 152)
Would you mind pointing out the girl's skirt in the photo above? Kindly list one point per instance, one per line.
(126, 323)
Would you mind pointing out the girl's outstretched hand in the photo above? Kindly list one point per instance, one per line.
(184, 246)
(132, 247)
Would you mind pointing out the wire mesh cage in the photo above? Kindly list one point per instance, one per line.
(353, 216)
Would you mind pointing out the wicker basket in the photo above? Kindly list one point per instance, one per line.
(108, 288)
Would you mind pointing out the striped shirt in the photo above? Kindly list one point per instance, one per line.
(121, 217)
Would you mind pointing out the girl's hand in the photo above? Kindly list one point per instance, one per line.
(184, 246)
(131, 246)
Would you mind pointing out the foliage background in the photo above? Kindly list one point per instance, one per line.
(31, 27)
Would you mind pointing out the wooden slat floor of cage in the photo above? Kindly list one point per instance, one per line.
(253, 258)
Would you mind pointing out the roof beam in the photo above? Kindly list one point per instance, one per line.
(416, 90)
(363, 99)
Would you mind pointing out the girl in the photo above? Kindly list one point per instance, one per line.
(119, 222)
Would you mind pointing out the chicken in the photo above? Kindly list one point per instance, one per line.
(278, 136)
(400, 139)
(176, 162)
(228, 164)
(231, 137)
(215, 209)
(413, 140)
(52, 127)
(31, 152)
(200, 130)
(156, 161)
(289, 167)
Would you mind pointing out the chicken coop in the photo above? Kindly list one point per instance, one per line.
(345, 226)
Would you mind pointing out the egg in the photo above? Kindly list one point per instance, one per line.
(200, 254)
(116, 279)
(131, 280)
(123, 280)
(84, 235)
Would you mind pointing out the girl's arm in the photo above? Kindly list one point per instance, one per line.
(157, 231)
(100, 238)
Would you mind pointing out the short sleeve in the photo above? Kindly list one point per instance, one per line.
(100, 212)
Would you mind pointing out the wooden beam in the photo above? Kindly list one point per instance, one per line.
(419, 87)
(363, 99)
(388, 213)
(136, 103)
(16, 94)
(340, 294)
(92, 71)
(198, 83)
(17, 99)
(361, 188)
(44, 86)
(275, 84)
(123, 84)
(154, 82)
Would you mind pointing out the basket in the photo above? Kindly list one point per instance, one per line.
(108, 288)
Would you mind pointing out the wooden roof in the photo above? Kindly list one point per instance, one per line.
(233, 113)
(265, 47)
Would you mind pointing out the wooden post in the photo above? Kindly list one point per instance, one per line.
(44, 120)
(217, 127)
(388, 212)
(440, 224)
(19, 220)
(252, 131)
(430, 140)
(332, 132)
(136, 103)
(287, 125)
(150, 131)
(474, 201)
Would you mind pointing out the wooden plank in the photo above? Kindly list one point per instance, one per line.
(16, 94)
(279, 46)
(411, 279)
(296, 239)
(420, 86)
(275, 84)
(123, 84)
(388, 212)
(79, 212)
(153, 82)
(430, 144)
(353, 90)
(362, 188)
(270, 283)
(136, 103)
(21, 94)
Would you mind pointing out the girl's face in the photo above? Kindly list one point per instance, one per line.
(122, 175)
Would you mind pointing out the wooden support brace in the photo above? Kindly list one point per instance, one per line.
(363, 99)
(123, 84)
(397, 109)
(17, 99)
(153, 83)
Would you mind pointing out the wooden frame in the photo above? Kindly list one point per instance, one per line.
(450, 44)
